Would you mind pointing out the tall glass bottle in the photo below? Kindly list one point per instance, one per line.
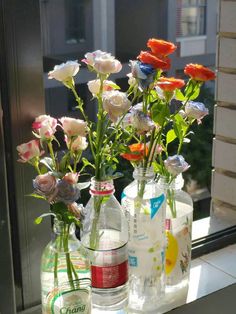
(105, 235)
(179, 217)
(65, 273)
(144, 204)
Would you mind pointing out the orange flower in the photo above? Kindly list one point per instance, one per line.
(136, 152)
(161, 47)
(170, 84)
(198, 72)
(157, 63)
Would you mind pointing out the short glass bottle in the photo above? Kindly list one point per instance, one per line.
(65, 273)
(105, 235)
(144, 204)
(179, 217)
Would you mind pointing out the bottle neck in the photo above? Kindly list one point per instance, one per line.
(176, 184)
(101, 188)
(61, 228)
(143, 174)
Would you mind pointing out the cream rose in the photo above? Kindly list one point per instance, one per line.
(116, 104)
(79, 143)
(65, 71)
(94, 86)
(29, 150)
(103, 62)
(73, 127)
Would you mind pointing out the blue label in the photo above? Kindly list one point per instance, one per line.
(156, 204)
(123, 195)
(133, 261)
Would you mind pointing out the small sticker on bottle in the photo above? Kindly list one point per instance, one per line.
(156, 203)
(133, 261)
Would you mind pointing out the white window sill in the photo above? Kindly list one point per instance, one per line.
(191, 38)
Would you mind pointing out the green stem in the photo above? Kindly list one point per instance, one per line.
(52, 154)
(55, 269)
(171, 202)
(67, 253)
(80, 107)
(94, 236)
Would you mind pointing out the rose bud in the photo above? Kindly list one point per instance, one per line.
(29, 150)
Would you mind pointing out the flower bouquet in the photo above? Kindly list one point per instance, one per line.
(65, 267)
(159, 126)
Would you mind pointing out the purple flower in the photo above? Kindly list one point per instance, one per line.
(141, 122)
(176, 164)
(67, 193)
(196, 110)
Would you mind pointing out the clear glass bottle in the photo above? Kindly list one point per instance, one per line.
(144, 203)
(65, 273)
(105, 235)
(179, 217)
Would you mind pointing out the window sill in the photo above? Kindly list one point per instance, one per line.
(191, 38)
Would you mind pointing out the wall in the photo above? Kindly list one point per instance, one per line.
(224, 146)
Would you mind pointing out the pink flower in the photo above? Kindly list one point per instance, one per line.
(29, 150)
(45, 184)
(45, 126)
(73, 127)
(71, 177)
(102, 62)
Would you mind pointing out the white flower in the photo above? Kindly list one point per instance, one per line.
(196, 110)
(141, 122)
(79, 143)
(65, 71)
(116, 104)
(94, 86)
(73, 127)
(103, 62)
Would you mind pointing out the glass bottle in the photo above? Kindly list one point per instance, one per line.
(65, 273)
(105, 235)
(179, 217)
(144, 204)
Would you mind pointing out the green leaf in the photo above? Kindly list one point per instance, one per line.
(170, 136)
(156, 167)
(83, 185)
(87, 163)
(39, 219)
(160, 113)
(47, 161)
(179, 95)
(36, 196)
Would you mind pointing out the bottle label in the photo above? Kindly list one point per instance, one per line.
(68, 302)
(109, 276)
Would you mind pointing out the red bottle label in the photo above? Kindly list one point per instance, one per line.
(109, 276)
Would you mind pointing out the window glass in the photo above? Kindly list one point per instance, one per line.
(191, 18)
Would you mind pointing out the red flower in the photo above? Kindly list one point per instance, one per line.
(156, 62)
(161, 47)
(136, 152)
(198, 72)
(170, 84)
